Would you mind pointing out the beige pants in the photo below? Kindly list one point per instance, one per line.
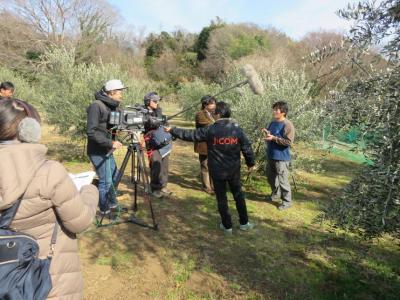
(205, 176)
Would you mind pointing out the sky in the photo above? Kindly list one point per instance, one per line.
(295, 18)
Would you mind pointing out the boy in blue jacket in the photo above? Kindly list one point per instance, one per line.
(279, 136)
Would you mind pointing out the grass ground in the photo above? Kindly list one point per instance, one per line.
(287, 256)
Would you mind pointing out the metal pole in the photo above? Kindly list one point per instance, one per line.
(221, 92)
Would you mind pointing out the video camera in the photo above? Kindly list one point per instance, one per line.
(135, 118)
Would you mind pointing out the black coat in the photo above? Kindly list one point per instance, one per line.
(225, 140)
(99, 136)
(154, 113)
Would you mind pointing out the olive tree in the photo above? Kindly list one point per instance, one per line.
(370, 204)
(255, 111)
(68, 89)
(23, 89)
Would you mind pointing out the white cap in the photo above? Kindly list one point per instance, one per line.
(113, 85)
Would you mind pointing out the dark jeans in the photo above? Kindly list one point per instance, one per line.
(107, 172)
(158, 170)
(236, 189)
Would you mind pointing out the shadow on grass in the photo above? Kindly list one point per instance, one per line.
(274, 260)
(335, 172)
(334, 168)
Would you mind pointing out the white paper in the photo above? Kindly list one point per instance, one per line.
(82, 179)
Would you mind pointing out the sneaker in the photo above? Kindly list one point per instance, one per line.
(166, 192)
(113, 206)
(284, 206)
(271, 198)
(227, 231)
(118, 208)
(157, 194)
(104, 212)
(246, 227)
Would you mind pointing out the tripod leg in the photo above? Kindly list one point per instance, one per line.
(123, 167)
(133, 167)
(145, 176)
(136, 169)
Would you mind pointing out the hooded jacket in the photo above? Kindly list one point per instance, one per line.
(48, 193)
(225, 141)
(99, 137)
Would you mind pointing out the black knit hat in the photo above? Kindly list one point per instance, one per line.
(152, 96)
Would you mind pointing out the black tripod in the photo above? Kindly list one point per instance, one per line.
(139, 175)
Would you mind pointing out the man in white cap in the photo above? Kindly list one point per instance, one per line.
(101, 141)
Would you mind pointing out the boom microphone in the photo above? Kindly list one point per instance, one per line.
(253, 80)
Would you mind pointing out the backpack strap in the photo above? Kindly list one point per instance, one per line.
(7, 216)
(53, 239)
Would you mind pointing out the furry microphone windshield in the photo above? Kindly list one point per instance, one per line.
(253, 79)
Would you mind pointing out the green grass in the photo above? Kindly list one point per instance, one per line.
(182, 270)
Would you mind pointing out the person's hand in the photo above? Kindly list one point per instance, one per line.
(269, 137)
(265, 131)
(167, 129)
(251, 169)
(116, 145)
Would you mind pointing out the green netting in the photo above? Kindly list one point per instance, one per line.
(350, 155)
(348, 144)
(346, 151)
(352, 136)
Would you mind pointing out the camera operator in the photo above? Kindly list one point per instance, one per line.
(158, 155)
(204, 118)
(101, 141)
(225, 140)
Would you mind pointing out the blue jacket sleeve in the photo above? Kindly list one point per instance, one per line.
(190, 135)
